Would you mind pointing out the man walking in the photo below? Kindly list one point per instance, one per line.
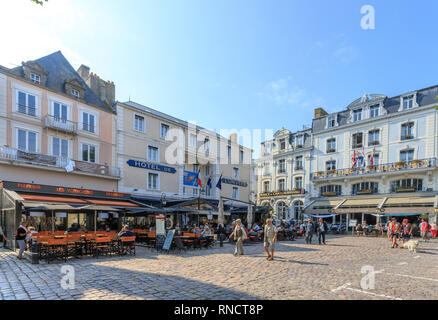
(270, 238)
(310, 229)
(239, 235)
(21, 239)
(406, 232)
(322, 230)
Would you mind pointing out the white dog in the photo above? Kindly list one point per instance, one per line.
(412, 245)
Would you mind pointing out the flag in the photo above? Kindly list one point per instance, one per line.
(354, 158)
(199, 179)
(209, 182)
(372, 159)
(219, 183)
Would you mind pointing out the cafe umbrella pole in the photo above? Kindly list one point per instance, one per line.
(53, 222)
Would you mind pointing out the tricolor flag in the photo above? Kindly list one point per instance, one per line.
(219, 183)
(199, 179)
(354, 159)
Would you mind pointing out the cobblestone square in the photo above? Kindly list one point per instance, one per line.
(300, 271)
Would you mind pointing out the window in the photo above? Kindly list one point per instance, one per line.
(229, 151)
(299, 183)
(358, 140)
(281, 185)
(153, 154)
(208, 191)
(298, 207)
(375, 159)
(407, 155)
(207, 171)
(329, 191)
(357, 115)
(164, 130)
(196, 168)
(365, 188)
(27, 141)
(207, 145)
(267, 168)
(60, 112)
(26, 104)
(330, 165)
(299, 163)
(241, 156)
(408, 102)
(35, 78)
(407, 185)
(139, 123)
(373, 137)
(331, 145)
(331, 121)
(193, 140)
(282, 144)
(236, 173)
(407, 131)
(60, 147)
(374, 111)
(88, 122)
(281, 166)
(75, 93)
(88, 153)
(282, 211)
(235, 193)
(300, 141)
(266, 187)
(153, 181)
(195, 191)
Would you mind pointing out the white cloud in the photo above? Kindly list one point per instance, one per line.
(346, 54)
(286, 93)
(32, 31)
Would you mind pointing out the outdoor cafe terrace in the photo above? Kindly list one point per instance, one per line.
(396, 167)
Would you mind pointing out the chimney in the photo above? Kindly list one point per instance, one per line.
(320, 112)
(84, 72)
(233, 137)
(105, 90)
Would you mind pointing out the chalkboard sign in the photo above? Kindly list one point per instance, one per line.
(169, 238)
(160, 241)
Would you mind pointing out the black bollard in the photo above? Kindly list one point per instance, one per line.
(35, 253)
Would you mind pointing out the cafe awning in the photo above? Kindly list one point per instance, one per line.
(411, 205)
(46, 207)
(364, 205)
(323, 206)
(52, 199)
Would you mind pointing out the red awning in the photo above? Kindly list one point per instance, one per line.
(54, 199)
(113, 203)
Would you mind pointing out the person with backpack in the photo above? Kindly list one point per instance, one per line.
(394, 229)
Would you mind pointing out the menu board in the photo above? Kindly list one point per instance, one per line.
(169, 239)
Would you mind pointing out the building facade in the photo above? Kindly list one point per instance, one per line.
(284, 173)
(159, 155)
(54, 129)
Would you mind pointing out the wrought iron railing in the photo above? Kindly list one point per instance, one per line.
(61, 124)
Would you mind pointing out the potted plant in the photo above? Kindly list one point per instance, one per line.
(331, 150)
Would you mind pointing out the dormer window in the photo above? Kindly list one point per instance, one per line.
(357, 115)
(374, 111)
(75, 93)
(408, 102)
(282, 144)
(300, 141)
(35, 78)
(331, 121)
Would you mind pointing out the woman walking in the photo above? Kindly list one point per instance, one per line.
(239, 235)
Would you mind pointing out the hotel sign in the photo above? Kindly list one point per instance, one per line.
(235, 182)
(59, 190)
(150, 166)
(280, 194)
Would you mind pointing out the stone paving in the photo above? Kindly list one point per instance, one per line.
(300, 271)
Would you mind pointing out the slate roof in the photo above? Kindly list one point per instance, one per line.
(59, 71)
(425, 97)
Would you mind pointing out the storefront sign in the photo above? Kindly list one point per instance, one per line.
(56, 190)
(353, 222)
(235, 182)
(279, 194)
(150, 166)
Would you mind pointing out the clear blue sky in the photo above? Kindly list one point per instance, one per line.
(237, 64)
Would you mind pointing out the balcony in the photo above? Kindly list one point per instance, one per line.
(20, 157)
(294, 192)
(397, 167)
(59, 124)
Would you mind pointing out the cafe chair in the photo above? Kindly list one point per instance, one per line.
(127, 246)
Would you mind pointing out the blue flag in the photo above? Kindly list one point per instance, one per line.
(219, 183)
(209, 182)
